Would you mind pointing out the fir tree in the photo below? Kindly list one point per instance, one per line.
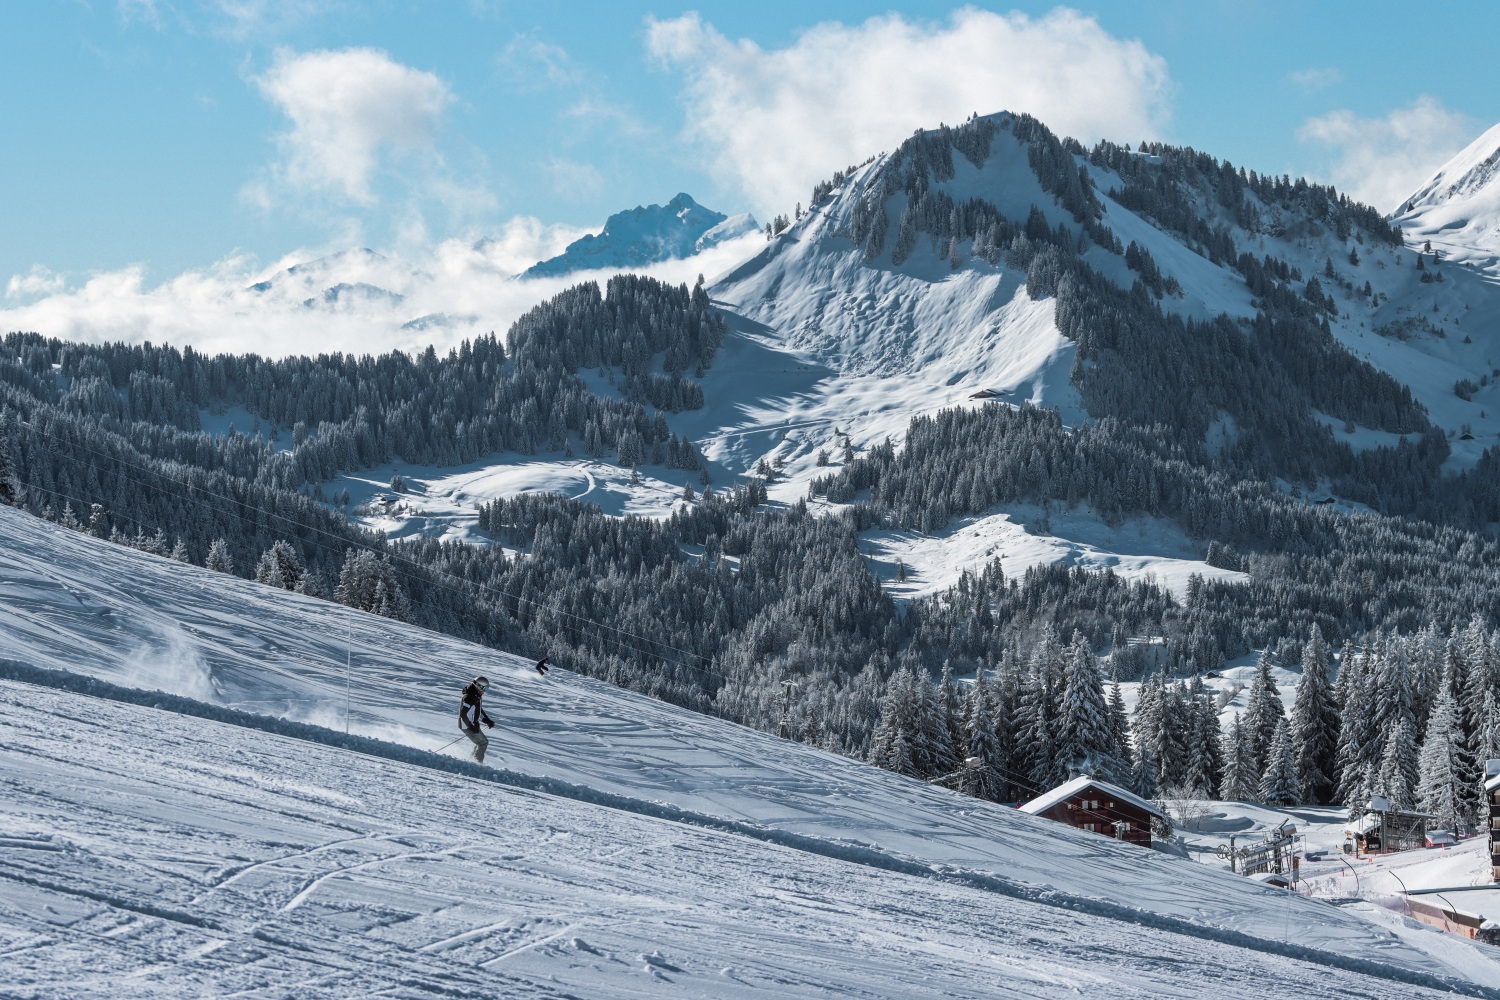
(1205, 752)
(10, 482)
(279, 566)
(1240, 782)
(1119, 725)
(1263, 713)
(1439, 770)
(1397, 777)
(219, 558)
(982, 781)
(1359, 742)
(1086, 737)
(1315, 723)
(1280, 785)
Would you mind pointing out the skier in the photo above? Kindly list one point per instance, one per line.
(471, 713)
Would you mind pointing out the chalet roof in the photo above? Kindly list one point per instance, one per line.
(1492, 784)
(1047, 800)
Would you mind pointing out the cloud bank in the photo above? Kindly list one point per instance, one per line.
(353, 301)
(777, 121)
(1381, 161)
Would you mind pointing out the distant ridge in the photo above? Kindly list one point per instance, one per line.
(647, 235)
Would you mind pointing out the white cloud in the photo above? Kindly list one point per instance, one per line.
(242, 19)
(350, 110)
(1314, 79)
(534, 63)
(466, 283)
(36, 282)
(778, 120)
(1382, 160)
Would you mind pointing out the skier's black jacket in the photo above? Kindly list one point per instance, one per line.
(471, 709)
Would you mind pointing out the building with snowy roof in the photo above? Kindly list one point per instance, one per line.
(1099, 807)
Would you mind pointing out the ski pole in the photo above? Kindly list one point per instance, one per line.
(450, 743)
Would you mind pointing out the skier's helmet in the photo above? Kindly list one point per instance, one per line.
(482, 682)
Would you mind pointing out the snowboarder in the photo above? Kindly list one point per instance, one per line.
(471, 713)
(542, 666)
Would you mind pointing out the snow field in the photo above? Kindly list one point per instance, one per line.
(142, 855)
(71, 602)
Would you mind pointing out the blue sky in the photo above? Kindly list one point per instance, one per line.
(174, 135)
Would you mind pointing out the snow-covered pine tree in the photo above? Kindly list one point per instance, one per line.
(1119, 726)
(1439, 770)
(1466, 736)
(1359, 741)
(1395, 693)
(1240, 782)
(950, 710)
(1205, 759)
(219, 559)
(279, 566)
(1038, 714)
(1397, 777)
(368, 582)
(10, 482)
(1146, 727)
(1262, 713)
(1086, 738)
(1280, 785)
(983, 781)
(1315, 723)
(933, 751)
(891, 743)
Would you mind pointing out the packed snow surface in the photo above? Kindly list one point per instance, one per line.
(617, 843)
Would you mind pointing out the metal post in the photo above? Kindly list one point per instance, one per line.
(348, 671)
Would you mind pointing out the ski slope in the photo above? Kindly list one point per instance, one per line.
(608, 828)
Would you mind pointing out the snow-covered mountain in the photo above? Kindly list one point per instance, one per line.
(224, 834)
(647, 234)
(1458, 207)
(347, 279)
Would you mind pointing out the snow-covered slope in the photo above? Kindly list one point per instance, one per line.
(621, 840)
(1459, 206)
(646, 234)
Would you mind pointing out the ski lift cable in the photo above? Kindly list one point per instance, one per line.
(345, 543)
(420, 602)
(597, 632)
(1011, 775)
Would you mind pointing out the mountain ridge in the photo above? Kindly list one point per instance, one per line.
(647, 234)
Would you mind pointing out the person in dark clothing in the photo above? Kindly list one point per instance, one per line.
(471, 713)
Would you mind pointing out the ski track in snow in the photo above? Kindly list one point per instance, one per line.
(477, 900)
(616, 827)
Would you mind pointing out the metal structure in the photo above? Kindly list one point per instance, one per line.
(1276, 854)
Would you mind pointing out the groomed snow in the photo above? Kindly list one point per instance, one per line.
(151, 853)
(68, 601)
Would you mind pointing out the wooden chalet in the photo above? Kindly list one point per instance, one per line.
(1087, 803)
